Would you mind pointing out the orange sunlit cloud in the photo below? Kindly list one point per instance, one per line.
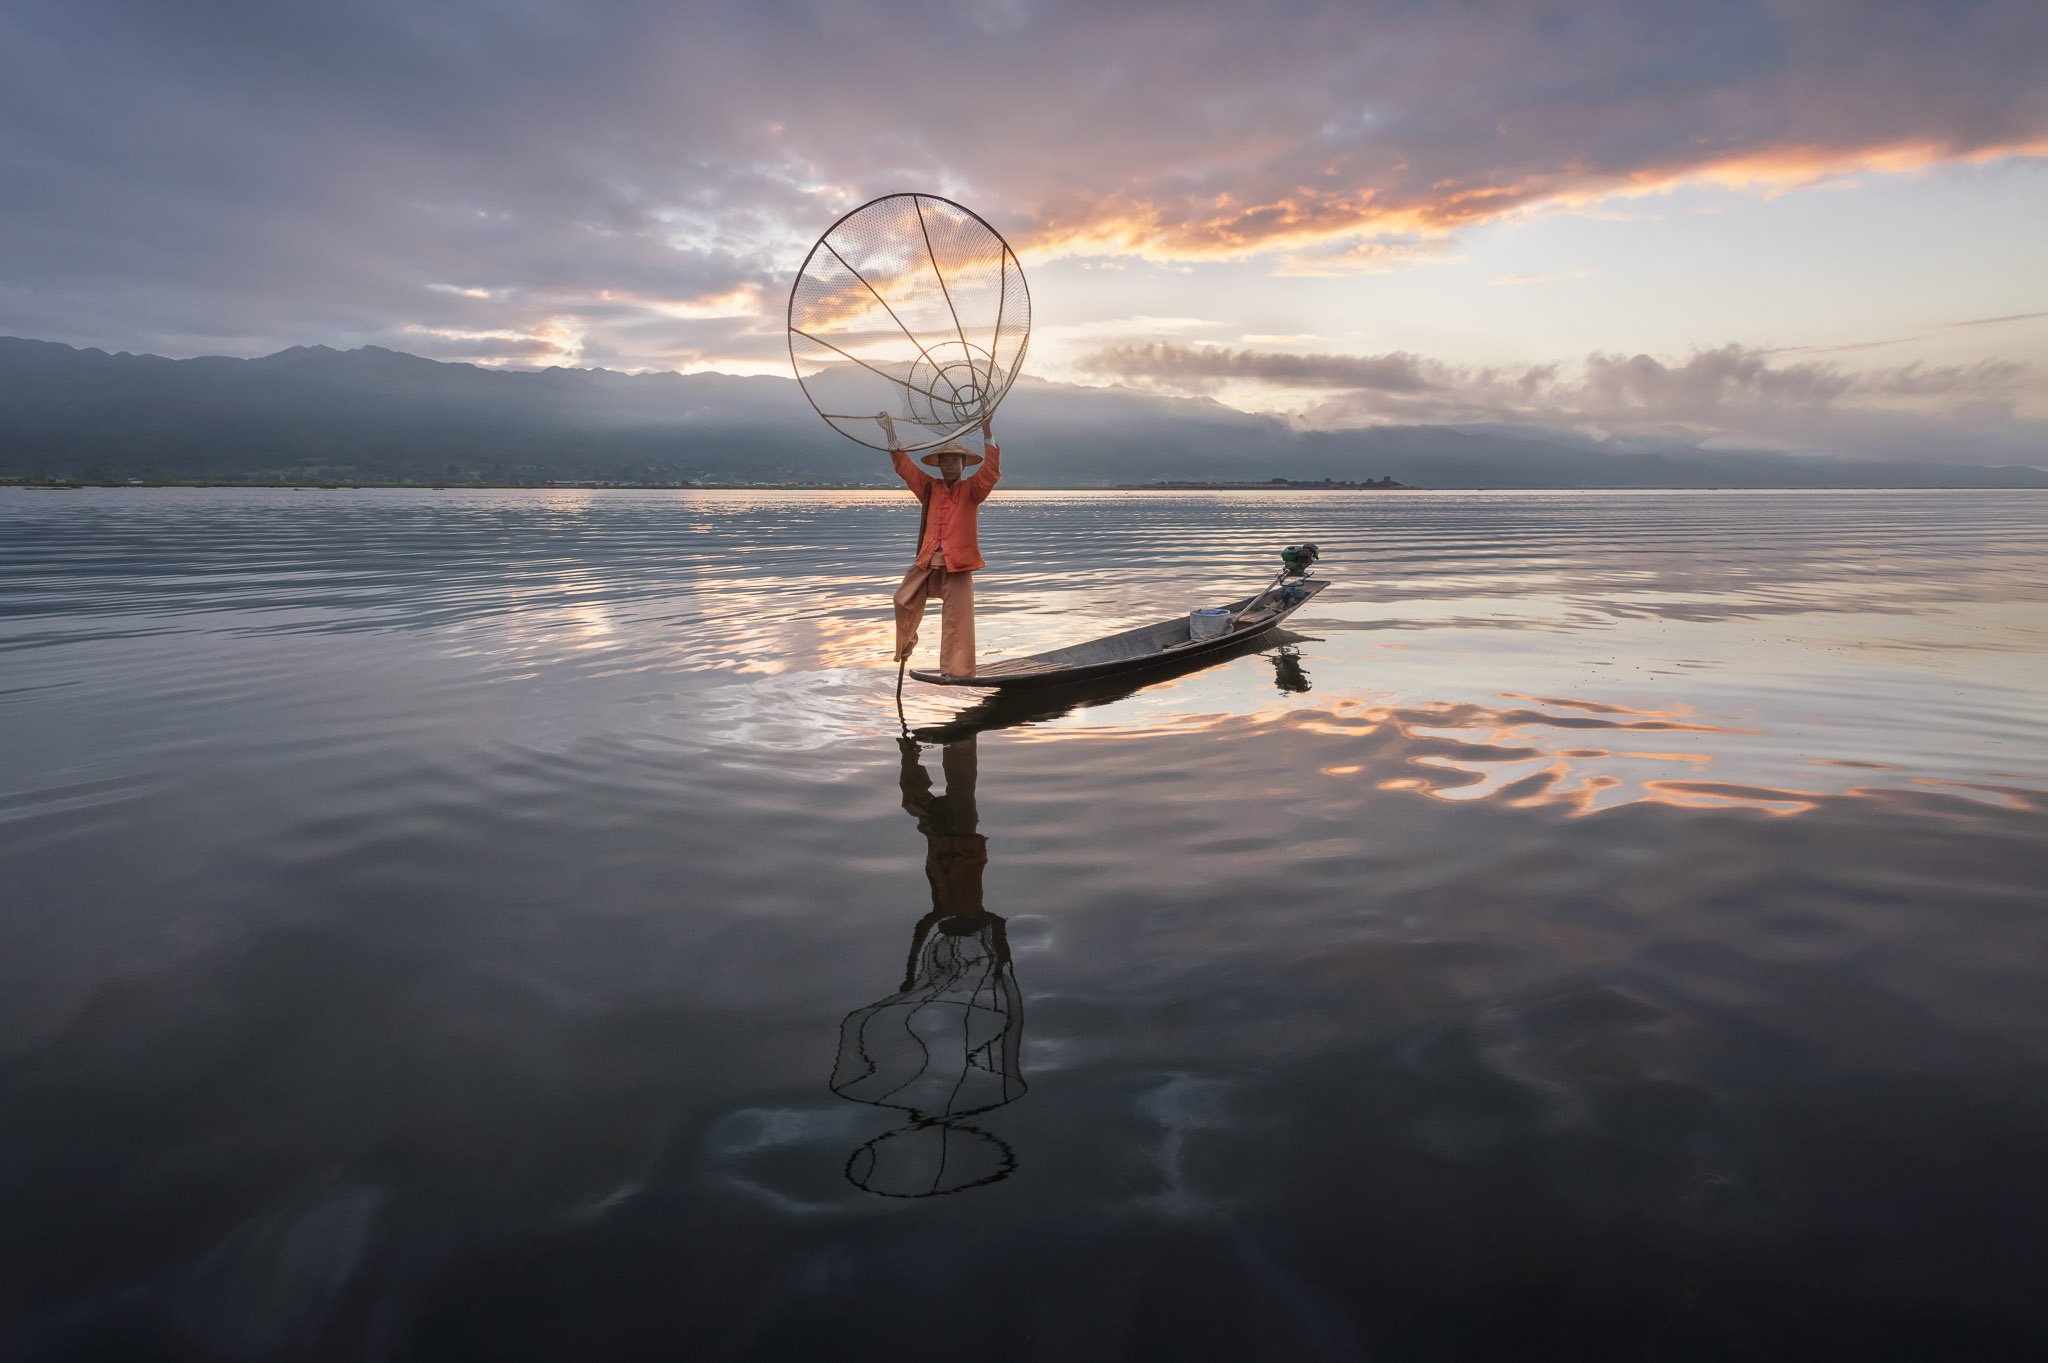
(743, 301)
(1170, 231)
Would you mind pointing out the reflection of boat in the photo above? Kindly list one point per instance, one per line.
(1162, 645)
(1288, 673)
(1035, 705)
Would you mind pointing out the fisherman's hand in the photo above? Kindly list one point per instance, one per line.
(986, 434)
(888, 428)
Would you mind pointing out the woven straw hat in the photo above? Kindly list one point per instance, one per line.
(952, 447)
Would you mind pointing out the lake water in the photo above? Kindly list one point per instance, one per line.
(463, 925)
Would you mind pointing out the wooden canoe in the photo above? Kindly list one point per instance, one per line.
(1009, 708)
(1160, 645)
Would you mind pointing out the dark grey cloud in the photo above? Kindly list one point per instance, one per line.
(1945, 380)
(1206, 367)
(1705, 382)
(247, 176)
(238, 176)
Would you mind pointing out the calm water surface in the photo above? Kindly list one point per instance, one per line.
(489, 925)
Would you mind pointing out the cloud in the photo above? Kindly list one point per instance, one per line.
(1337, 257)
(1848, 346)
(1205, 367)
(1953, 380)
(1727, 394)
(560, 342)
(1511, 280)
(1993, 321)
(181, 178)
(1706, 382)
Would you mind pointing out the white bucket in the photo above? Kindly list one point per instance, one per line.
(1210, 622)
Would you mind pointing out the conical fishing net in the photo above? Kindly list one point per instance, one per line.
(913, 306)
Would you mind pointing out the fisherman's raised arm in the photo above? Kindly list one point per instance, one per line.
(916, 479)
(984, 479)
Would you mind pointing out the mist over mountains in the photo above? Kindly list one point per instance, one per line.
(374, 415)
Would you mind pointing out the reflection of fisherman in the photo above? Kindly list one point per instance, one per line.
(945, 1045)
(955, 852)
(948, 551)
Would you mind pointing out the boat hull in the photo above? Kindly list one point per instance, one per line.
(1162, 645)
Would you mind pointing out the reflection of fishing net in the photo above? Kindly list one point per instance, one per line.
(946, 1047)
(925, 1159)
(913, 306)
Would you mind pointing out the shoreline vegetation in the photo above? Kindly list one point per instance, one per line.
(1271, 485)
(588, 485)
(1382, 484)
(565, 485)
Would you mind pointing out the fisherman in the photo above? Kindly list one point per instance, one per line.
(948, 552)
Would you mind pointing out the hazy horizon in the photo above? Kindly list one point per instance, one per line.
(378, 415)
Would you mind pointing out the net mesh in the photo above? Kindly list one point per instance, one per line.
(912, 306)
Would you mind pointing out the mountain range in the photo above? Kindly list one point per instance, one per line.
(311, 413)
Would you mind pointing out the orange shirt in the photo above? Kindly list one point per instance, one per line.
(949, 522)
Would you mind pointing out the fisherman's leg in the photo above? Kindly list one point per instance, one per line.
(956, 626)
(910, 599)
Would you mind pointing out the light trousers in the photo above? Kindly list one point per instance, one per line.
(956, 616)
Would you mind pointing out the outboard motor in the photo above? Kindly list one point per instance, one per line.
(1295, 562)
(1299, 558)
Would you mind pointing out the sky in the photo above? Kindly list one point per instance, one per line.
(1814, 225)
